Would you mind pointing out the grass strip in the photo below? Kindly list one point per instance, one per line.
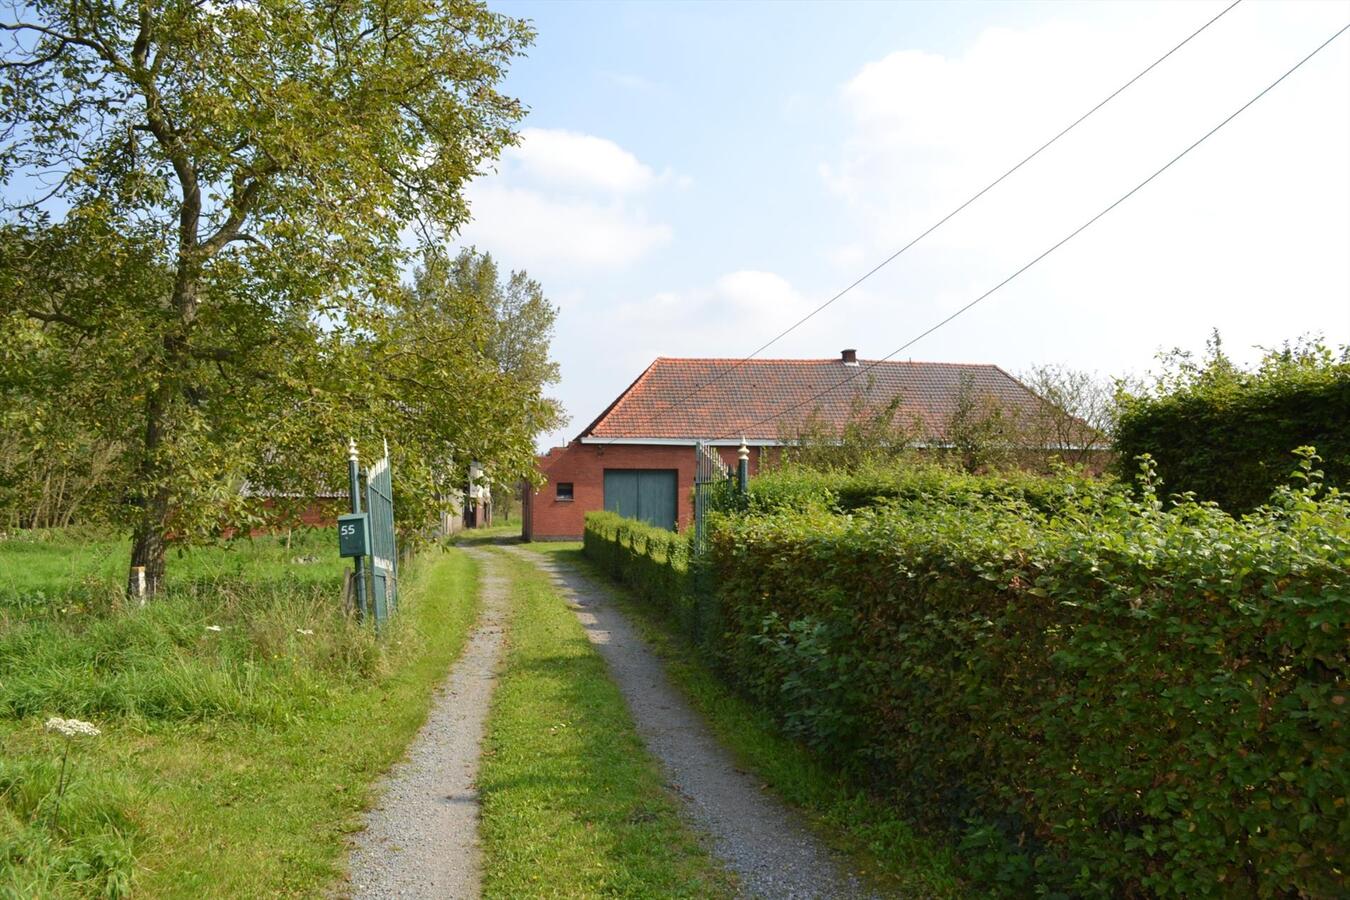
(238, 798)
(573, 806)
(883, 845)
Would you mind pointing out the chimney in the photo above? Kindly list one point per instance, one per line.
(849, 357)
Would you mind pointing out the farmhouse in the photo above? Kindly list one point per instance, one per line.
(637, 457)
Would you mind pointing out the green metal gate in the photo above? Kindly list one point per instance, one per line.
(710, 474)
(383, 548)
(370, 536)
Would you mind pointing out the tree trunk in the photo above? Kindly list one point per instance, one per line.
(145, 575)
(148, 550)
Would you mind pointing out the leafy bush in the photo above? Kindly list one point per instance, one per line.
(1226, 434)
(1123, 698)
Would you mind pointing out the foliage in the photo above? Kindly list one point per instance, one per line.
(1107, 694)
(652, 562)
(981, 432)
(522, 321)
(232, 187)
(1125, 697)
(1225, 433)
(874, 434)
(64, 423)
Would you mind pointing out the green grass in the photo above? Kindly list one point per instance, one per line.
(572, 804)
(56, 563)
(883, 845)
(232, 762)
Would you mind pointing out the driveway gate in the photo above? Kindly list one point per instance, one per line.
(383, 549)
(370, 536)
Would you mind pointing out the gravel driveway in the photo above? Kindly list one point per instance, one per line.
(422, 838)
(767, 845)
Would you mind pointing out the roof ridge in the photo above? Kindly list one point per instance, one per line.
(825, 361)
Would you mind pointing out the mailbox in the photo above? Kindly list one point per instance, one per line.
(353, 535)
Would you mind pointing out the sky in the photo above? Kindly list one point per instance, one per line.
(692, 178)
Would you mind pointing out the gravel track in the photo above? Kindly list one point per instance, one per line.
(422, 838)
(766, 844)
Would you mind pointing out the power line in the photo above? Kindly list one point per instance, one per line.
(1060, 243)
(940, 222)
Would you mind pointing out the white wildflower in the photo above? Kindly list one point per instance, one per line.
(212, 627)
(72, 727)
(304, 631)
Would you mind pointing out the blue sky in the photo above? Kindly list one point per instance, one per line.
(695, 176)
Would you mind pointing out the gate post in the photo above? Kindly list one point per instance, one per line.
(354, 480)
(743, 468)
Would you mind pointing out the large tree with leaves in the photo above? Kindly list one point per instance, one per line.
(275, 159)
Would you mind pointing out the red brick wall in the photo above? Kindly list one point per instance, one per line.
(547, 518)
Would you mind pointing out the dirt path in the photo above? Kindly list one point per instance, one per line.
(422, 838)
(768, 847)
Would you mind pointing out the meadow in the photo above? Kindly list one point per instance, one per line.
(243, 716)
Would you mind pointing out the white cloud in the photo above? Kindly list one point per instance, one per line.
(758, 296)
(567, 202)
(572, 161)
(538, 231)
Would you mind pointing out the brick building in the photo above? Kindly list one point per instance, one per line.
(637, 457)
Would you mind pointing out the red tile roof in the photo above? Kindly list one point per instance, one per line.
(655, 405)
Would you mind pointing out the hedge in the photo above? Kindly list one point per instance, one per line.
(1226, 434)
(1119, 701)
(655, 565)
(800, 489)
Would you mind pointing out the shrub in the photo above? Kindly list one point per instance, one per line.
(1226, 434)
(1123, 698)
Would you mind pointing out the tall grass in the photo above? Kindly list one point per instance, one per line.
(245, 658)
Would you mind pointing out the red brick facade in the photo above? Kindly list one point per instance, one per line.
(546, 518)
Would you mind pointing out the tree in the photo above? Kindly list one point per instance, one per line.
(874, 434)
(982, 432)
(1077, 415)
(521, 324)
(272, 158)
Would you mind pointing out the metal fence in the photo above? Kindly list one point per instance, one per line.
(710, 475)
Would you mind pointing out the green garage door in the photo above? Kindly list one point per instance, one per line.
(646, 494)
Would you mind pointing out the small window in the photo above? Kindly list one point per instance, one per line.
(564, 490)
